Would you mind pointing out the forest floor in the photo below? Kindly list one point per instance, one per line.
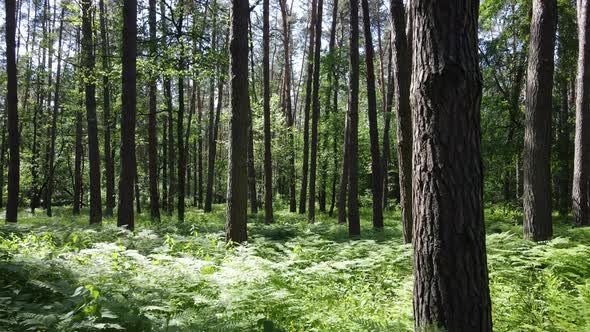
(60, 275)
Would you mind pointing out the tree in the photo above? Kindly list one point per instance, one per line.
(448, 182)
(268, 217)
(401, 78)
(152, 121)
(237, 185)
(308, 94)
(125, 216)
(212, 137)
(106, 104)
(90, 102)
(537, 132)
(376, 173)
(581, 185)
(12, 113)
(354, 225)
(315, 116)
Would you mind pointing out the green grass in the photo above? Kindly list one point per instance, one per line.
(61, 275)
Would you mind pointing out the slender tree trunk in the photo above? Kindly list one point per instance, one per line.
(401, 64)
(377, 182)
(447, 172)
(268, 213)
(53, 130)
(342, 192)
(181, 149)
(12, 113)
(165, 164)
(211, 135)
(127, 178)
(307, 107)
(563, 144)
(237, 185)
(200, 152)
(581, 183)
(78, 163)
(3, 149)
(90, 102)
(315, 113)
(354, 225)
(169, 110)
(152, 121)
(106, 97)
(537, 133)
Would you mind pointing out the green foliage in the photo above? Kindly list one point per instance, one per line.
(61, 275)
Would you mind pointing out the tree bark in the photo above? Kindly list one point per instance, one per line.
(212, 142)
(377, 182)
(106, 97)
(90, 102)
(237, 186)
(308, 94)
(450, 273)
(581, 183)
(152, 121)
(12, 113)
(354, 225)
(537, 132)
(315, 118)
(401, 64)
(127, 178)
(54, 116)
(268, 212)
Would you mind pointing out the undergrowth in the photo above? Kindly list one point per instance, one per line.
(61, 275)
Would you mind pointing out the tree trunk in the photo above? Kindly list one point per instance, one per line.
(401, 64)
(315, 113)
(3, 149)
(12, 113)
(308, 93)
(251, 170)
(237, 185)
(448, 181)
(344, 175)
(125, 217)
(78, 162)
(165, 164)
(90, 102)
(354, 225)
(106, 97)
(563, 144)
(53, 130)
(200, 151)
(268, 213)
(377, 182)
(152, 121)
(581, 183)
(537, 132)
(212, 143)
(169, 110)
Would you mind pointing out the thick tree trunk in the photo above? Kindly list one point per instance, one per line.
(581, 184)
(537, 132)
(401, 64)
(268, 213)
(153, 121)
(377, 182)
(354, 225)
(127, 178)
(315, 118)
(308, 94)
(90, 102)
(54, 115)
(106, 97)
(237, 185)
(12, 113)
(450, 272)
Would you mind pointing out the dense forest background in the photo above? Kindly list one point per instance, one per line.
(450, 141)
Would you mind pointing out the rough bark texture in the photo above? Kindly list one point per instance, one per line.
(450, 272)
(268, 213)
(401, 64)
(315, 117)
(581, 183)
(376, 174)
(12, 113)
(125, 215)
(354, 225)
(306, 110)
(106, 97)
(90, 102)
(237, 186)
(152, 121)
(537, 131)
